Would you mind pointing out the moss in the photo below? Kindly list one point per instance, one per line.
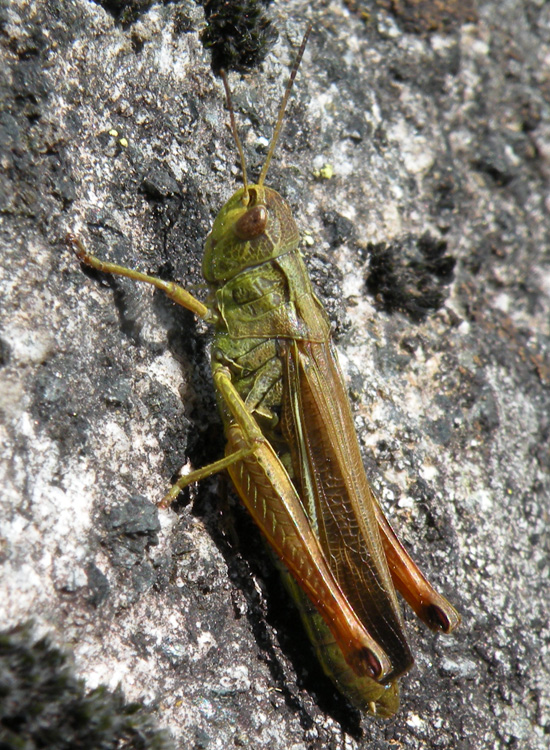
(239, 34)
(44, 705)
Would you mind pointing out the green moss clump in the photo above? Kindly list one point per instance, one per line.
(44, 705)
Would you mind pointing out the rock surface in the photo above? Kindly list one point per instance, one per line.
(429, 245)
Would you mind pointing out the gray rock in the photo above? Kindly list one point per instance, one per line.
(439, 144)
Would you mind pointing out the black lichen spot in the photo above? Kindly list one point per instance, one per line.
(44, 705)
(130, 529)
(159, 182)
(410, 275)
(98, 585)
(239, 34)
(5, 353)
(339, 228)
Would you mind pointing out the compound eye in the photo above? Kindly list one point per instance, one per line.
(252, 223)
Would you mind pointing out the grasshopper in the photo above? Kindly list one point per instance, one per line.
(292, 451)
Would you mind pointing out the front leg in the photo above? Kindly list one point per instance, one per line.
(176, 293)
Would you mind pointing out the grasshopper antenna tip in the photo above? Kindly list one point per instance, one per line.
(284, 102)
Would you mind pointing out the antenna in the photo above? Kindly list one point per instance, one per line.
(236, 135)
(282, 108)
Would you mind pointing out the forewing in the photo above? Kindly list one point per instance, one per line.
(335, 492)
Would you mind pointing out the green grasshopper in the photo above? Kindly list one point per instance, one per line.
(292, 451)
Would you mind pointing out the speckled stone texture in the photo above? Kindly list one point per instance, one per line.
(429, 246)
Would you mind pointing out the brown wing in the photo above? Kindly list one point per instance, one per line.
(319, 429)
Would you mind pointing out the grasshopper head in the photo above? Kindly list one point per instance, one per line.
(256, 224)
(247, 233)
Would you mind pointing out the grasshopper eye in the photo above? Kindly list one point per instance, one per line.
(252, 223)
